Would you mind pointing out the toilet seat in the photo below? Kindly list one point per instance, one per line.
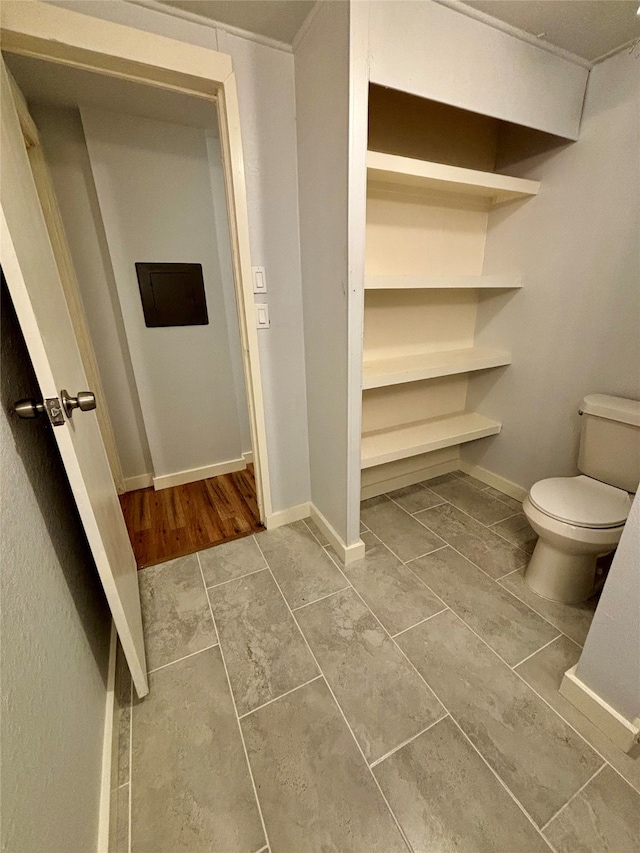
(581, 501)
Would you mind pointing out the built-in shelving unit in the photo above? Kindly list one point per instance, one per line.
(432, 282)
(426, 228)
(420, 174)
(411, 439)
(429, 365)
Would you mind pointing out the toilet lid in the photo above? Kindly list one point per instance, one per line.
(581, 501)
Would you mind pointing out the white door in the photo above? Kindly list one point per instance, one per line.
(32, 275)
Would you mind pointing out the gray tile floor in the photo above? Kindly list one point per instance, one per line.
(405, 702)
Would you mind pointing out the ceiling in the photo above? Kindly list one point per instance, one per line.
(586, 28)
(43, 82)
(276, 19)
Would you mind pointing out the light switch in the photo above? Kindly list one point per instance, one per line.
(262, 316)
(259, 280)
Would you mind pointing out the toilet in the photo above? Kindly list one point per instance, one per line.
(579, 519)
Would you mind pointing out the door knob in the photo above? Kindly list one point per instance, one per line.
(85, 401)
(28, 408)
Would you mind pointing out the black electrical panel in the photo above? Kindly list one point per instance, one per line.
(172, 294)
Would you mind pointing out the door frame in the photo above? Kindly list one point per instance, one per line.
(49, 33)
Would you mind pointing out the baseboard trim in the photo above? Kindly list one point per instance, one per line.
(287, 516)
(390, 484)
(346, 553)
(495, 480)
(248, 457)
(104, 816)
(142, 481)
(624, 733)
(165, 481)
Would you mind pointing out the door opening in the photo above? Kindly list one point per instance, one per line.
(138, 180)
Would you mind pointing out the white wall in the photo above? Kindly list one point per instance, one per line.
(322, 103)
(153, 184)
(265, 78)
(573, 328)
(68, 161)
(610, 660)
(436, 52)
(54, 635)
(268, 123)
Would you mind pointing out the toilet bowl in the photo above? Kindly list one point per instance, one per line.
(577, 520)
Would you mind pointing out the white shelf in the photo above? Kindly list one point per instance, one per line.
(421, 174)
(429, 365)
(423, 436)
(427, 282)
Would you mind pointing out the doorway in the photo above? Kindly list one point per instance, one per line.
(138, 176)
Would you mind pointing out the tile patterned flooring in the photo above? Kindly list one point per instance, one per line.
(406, 702)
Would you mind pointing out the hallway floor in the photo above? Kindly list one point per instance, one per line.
(406, 702)
(180, 520)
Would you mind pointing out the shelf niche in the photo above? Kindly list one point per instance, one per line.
(427, 221)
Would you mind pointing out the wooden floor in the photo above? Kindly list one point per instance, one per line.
(177, 521)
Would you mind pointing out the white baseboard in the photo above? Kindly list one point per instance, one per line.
(194, 474)
(387, 478)
(142, 481)
(107, 747)
(287, 516)
(495, 480)
(346, 553)
(624, 733)
(248, 457)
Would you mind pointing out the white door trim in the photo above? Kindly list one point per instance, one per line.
(53, 34)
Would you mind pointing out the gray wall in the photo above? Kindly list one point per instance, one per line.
(610, 660)
(54, 633)
(154, 190)
(68, 161)
(573, 328)
(266, 94)
(322, 103)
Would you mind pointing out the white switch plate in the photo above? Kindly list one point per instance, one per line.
(262, 316)
(259, 279)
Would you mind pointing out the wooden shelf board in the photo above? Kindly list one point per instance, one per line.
(408, 172)
(430, 282)
(424, 436)
(429, 365)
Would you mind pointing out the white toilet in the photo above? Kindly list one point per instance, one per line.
(578, 519)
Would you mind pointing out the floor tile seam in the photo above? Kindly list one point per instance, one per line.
(421, 622)
(449, 607)
(511, 542)
(486, 527)
(305, 521)
(235, 710)
(184, 657)
(546, 619)
(537, 651)
(322, 597)
(480, 491)
(339, 707)
(460, 554)
(393, 500)
(280, 696)
(502, 782)
(348, 585)
(573, 797)
(419, 520)
(452, 716)
(231, 580)
(486, 486)
(594, 749)
(406, 742)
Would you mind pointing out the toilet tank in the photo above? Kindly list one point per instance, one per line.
(610, 440)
